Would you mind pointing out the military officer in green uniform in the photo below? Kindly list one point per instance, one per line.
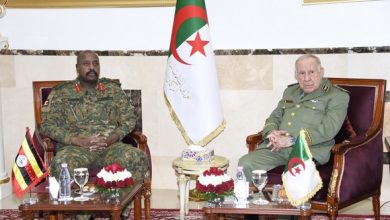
(88, 117)
(313, 104)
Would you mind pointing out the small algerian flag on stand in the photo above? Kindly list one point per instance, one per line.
(301, 179)
(191, 84)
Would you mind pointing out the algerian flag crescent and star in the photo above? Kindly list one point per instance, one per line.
(301, 179)
(191, 84)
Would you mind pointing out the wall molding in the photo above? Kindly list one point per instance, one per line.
(87, 3)
(335, 50)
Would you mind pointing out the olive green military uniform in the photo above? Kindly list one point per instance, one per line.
(321, 113)
(72, 112)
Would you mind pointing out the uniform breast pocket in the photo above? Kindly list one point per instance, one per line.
(315, 106)
(107, 108)
(288, 105)
(315, 111)
(74, 110)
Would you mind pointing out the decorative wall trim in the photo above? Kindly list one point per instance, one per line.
(338, 50)
(329, 1)
(87, 3)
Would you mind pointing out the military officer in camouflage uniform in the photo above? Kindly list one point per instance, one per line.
(88, 117)
(313, 104)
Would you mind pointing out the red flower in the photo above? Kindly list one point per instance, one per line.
(129, 181)
(223, 188)
(105, 177)
(99, 182)
(114, 168)
(120, 184)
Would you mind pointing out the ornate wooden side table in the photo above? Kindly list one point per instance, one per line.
(185, 169)
(56, 209)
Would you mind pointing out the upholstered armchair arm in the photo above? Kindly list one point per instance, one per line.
(351, 143)
(141, 142)
(253, 140)
(48, 146)
(358, 165)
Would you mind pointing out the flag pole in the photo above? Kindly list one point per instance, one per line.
(28, 169)
(30, 200)
(305, 205)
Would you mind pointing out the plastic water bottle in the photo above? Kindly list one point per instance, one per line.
(65, 181)
(241, 186)
(240, 174)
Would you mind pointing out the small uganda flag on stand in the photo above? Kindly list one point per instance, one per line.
(191, 84)
(28, 169)
(301, 179)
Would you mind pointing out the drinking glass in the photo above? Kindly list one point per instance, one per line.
(81, 178)
(259, 179)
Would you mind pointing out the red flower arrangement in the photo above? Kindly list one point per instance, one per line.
(114, 176)
(214, 183)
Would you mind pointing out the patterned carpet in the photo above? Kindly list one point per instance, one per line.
(173, 214)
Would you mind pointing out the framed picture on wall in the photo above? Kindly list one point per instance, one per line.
(329, 1)
(87, 3)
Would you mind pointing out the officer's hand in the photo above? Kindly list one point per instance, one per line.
(276, 134)
(113, 138)
(281, 142)
(272, 137)
(94, 142)
(275, 138)
(97, 142)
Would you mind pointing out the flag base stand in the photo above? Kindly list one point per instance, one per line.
(304, 206)
(30, 201)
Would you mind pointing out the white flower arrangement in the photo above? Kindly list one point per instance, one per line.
(214, 180)
(109, 176)
(214, 183)
(114, 176)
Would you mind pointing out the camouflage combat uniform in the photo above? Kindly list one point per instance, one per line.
(72, 112)
(321, 113)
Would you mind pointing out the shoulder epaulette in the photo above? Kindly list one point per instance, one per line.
(63, 84)
(107, 80)
(292, 84)
(341, 88)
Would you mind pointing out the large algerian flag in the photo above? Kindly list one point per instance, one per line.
(301, 179)
(191, 84)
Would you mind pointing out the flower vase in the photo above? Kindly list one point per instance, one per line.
(113, 195)
(215, 201)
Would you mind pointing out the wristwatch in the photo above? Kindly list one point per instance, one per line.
(292, 140)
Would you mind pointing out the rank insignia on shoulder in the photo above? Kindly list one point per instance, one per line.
(314, 100)
(325, 88)
(292, 84)
(288, 101)
(77, 87)
(100, 87)
(341, 88)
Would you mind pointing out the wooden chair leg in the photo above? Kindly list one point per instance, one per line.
(332, 217)
(376, 205)
(137, 207)
(147, 193)
(332, 211)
